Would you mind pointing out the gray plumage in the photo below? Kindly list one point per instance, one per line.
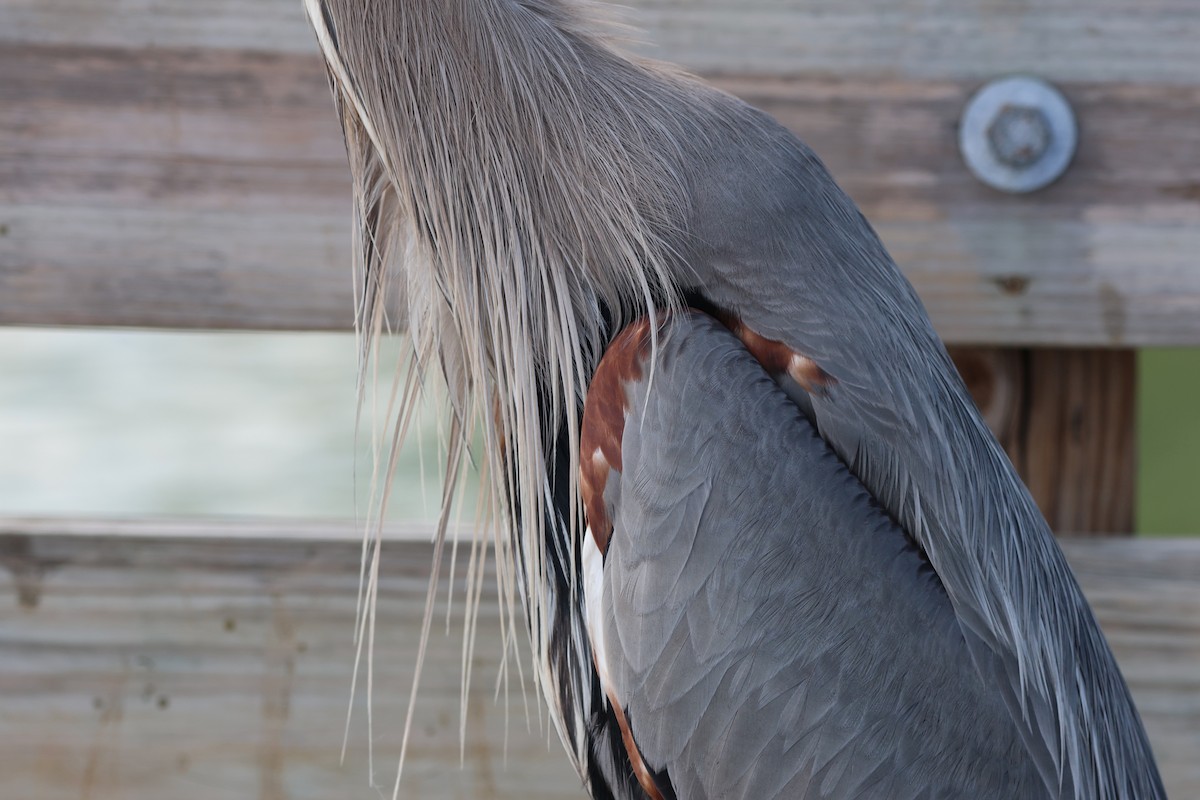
(773, 632)
(523, 189)
(818, 279)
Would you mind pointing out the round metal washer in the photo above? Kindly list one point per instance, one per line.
(1001, 101)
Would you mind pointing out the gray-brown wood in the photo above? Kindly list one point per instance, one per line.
(1067, 420)
(213, 668)
(177, 164)
(136, 669)
(1144, 41)
(171, 188)
(259, 529)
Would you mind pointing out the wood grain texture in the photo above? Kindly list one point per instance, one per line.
(177, 164)
(171, 189)
(1067, 419)
(207, 669)
(258, 529)
(1144, 41)
(217, 668)
(1108, 256)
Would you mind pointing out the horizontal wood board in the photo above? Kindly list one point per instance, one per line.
(1110, 40)
(213, 667)
(177, 164)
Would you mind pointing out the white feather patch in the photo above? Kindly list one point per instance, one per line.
(593, 605)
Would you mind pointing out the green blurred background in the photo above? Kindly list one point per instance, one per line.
(124, 423)
(1168, 418)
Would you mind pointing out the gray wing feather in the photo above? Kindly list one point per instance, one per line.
(771, 632)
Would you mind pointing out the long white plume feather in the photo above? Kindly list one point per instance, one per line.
(515, 180)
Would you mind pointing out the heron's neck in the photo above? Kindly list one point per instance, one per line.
(1023, 614)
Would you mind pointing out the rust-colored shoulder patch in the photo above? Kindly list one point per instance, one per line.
(779, 359)
(640, 770)
(604, 422)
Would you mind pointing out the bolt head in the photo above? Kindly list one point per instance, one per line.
(1019, 135)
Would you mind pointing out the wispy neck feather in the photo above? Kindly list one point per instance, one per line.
(516, 180)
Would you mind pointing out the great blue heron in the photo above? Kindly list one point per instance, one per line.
(778, 553)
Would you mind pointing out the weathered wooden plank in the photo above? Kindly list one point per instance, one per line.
(138, 668)
(1145, 595)
(1092, 259)
(206, 188)
(173, 189)
(1066, 418)
(258, 529)
(221, 669)
(1143, 41)
(1062, 40)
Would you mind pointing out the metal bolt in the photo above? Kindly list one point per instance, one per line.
(1018, 134)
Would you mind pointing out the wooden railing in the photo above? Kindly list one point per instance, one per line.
(155, 659)
(178, 165)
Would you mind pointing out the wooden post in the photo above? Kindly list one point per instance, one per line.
(1066, 418)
